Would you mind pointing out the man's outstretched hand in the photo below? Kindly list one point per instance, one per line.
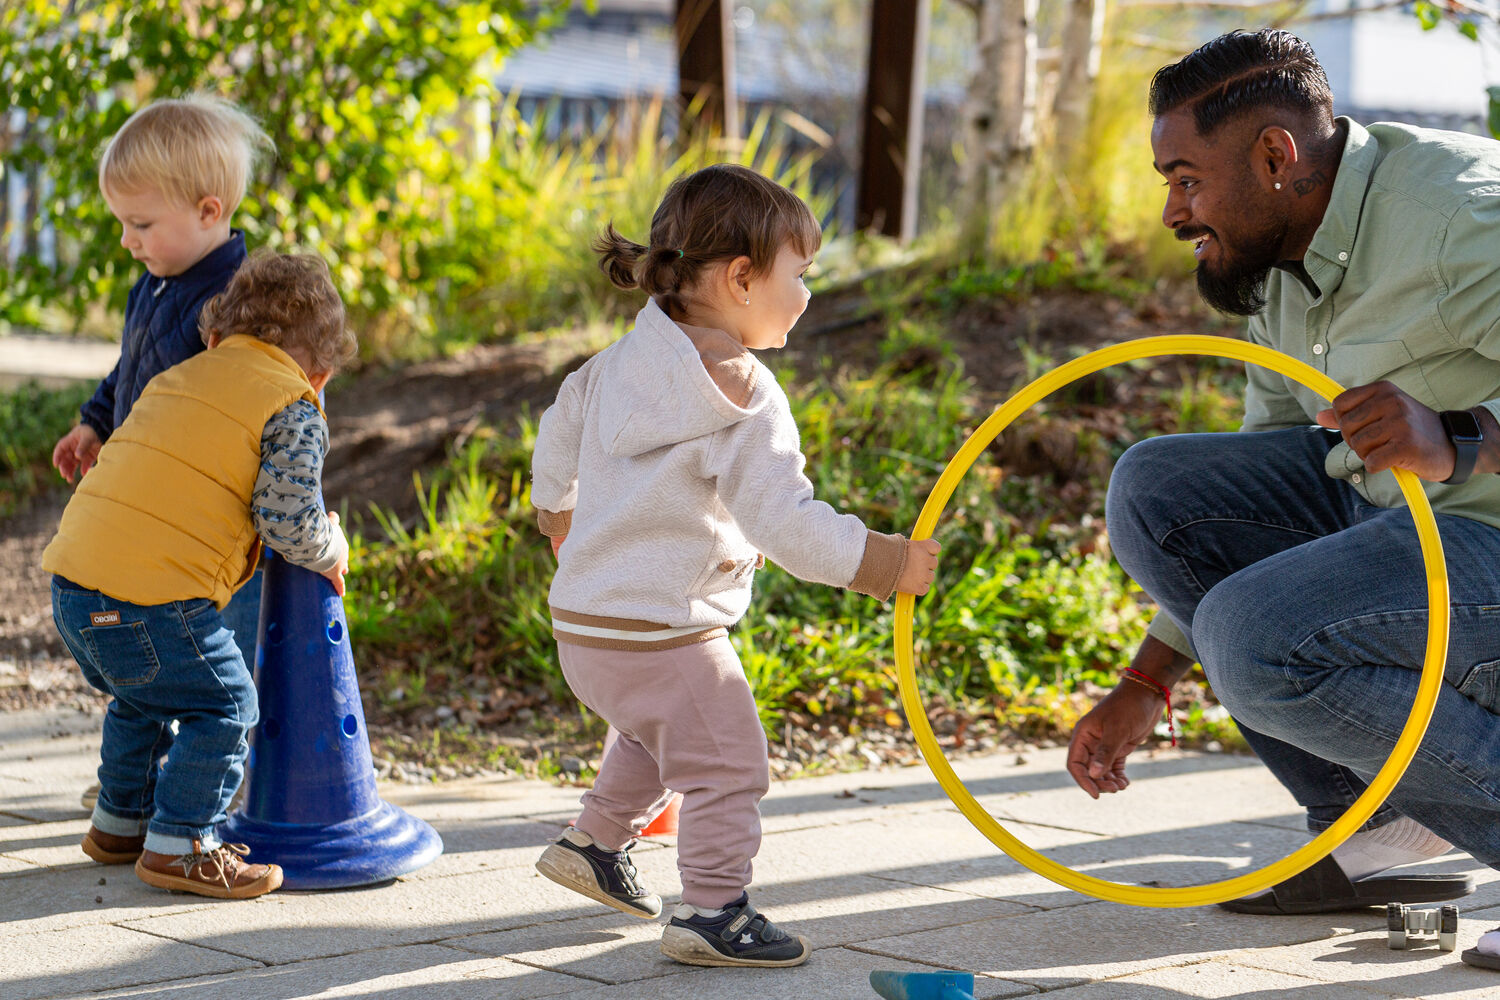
(1108, 734)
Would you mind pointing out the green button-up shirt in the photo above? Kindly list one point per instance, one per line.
(1407, 267)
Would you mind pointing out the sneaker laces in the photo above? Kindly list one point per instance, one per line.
(225, 859)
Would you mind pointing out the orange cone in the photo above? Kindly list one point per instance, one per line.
(665, 824)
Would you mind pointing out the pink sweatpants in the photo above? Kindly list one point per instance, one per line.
(687, 721)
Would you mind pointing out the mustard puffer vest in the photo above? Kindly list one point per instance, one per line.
(164, 515)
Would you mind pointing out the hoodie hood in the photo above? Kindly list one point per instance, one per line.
(671, 384)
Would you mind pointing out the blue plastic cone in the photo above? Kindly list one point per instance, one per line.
(946, 985)
(311, 805)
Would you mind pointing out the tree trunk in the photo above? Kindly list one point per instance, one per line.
(999, 113)
(1082, 40)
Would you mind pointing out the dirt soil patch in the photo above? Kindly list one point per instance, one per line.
(388, 424)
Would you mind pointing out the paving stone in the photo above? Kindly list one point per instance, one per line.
(1365, 958)
(89, 959)
(295, 927)
(57, 899)
(421, 972)
(1100, 941)
(830, 912)
(1219, 979)
(49, 845)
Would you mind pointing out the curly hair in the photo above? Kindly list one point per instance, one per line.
(717, 213)
(287, 300)
(1243, 71)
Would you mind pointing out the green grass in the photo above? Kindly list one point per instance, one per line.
(31, 420)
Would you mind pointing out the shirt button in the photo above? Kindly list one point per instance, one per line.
(1356, 479)
(1343, 255)
(1317, 348)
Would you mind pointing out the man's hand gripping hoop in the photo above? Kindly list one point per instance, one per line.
(1380, 786)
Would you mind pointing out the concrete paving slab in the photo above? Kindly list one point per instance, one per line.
(41, 801)
(830, 913)
(57, 899)
(54, 360)
(1365, 958)
(497, 798)
(831, 974)
(421, 972)
(15, 866)
(296, 927)
(1217, 980)
(88, 959)
(1101, 941)
(48, 845)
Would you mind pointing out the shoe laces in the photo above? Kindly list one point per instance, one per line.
(225, 860)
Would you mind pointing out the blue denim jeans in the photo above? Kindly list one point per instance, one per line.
(242, 617)
(159, 663)
(1307, 607)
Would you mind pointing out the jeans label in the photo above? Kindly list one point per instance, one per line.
(104, 617)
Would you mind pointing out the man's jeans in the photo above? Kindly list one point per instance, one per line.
(1307, 607)
(160, 663)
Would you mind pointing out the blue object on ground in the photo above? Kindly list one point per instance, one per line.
(311, 805)
(924, 985)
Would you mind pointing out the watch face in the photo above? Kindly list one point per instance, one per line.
(1461, 425)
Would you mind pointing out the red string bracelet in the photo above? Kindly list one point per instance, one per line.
(1132, 674)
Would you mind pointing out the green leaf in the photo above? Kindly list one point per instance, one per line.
(1428, 14)
(1494, 115)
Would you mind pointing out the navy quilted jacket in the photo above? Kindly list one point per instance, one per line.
(161, 329)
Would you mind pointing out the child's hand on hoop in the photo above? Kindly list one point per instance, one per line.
(921, 564)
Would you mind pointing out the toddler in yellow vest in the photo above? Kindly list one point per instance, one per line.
(219, 452)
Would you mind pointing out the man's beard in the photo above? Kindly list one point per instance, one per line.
(1240, 287)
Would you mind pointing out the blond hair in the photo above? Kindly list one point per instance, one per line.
(186, 149)
(287, 300)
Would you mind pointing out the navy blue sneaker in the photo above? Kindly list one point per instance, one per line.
(738, 936)
(575, 861)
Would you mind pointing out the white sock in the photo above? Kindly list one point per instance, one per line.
(1400, 843)
(573, 835)
(685, 910)
(1489, 942)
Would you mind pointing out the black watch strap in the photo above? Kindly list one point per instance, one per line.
(1463, 430)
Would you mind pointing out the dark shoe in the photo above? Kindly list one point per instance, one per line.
(219, 873)
(607, 876)
(1324, 888)
(738, 936)
(1481, 959)
(108, 849)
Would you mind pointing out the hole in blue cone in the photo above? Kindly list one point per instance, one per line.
(273, 633)
(271, 728)
(335, 632)
(351, 725)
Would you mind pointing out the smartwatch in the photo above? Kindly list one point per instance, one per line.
(1462, 428)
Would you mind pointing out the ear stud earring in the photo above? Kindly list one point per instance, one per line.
(1278, 185)
(747, 302)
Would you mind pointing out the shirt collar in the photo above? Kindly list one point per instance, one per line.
(1333, 243)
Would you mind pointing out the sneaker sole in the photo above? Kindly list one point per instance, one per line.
(573, 872)
(681, 945)
(104, 857)
(269, 882)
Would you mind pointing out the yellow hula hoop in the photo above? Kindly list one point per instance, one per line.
(1379, 787)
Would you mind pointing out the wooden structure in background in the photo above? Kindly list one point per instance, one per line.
(890, 157)
(705, 63)
(891, 131)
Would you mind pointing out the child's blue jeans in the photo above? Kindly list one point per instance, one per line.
(160, 663)
(1307, 607)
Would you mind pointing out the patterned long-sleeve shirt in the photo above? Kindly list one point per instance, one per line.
(287, 504)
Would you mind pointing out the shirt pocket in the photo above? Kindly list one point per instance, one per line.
(122, 653)
(1382, 361)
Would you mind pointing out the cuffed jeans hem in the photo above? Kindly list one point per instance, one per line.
(175, 843)
(117, 826)
(1385, 814)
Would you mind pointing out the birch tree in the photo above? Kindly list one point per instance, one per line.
(1000, 112)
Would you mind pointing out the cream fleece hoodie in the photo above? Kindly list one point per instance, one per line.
(671, 462)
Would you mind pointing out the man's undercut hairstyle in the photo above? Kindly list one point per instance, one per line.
(1244, 71)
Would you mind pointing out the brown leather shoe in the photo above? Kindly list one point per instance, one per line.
(108, 849)
(219, 873)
